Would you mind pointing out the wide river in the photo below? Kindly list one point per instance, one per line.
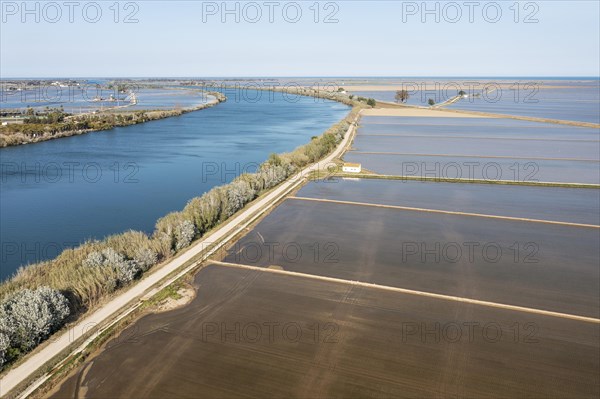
(59, 193)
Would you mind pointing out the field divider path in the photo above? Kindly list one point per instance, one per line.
(413, 292)
(449, 101)
(441, 211)
(124, 303)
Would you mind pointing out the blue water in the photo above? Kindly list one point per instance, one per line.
(580, 104)
(575, 101)
(468, 148)
(75, 99)
(52, 195)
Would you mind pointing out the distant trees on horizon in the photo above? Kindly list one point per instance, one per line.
(401, 96)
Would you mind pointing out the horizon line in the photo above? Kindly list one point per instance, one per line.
(309, 77)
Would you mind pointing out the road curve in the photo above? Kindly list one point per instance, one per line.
(130, 298)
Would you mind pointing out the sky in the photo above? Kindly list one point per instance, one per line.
(302, 38)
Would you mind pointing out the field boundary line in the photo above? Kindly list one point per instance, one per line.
(481, 215)
(412, 292)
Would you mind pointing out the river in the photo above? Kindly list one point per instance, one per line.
(59, 193)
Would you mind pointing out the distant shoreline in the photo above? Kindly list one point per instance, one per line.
(106, 120)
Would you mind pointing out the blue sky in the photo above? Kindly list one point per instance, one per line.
(388, 38)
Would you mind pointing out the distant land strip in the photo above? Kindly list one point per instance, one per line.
(413, 292)
(480, 215)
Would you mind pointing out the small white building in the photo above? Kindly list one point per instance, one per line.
(351, 167)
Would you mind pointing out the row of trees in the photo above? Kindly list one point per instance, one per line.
(55, 122)
(369, 101)
(49, 115)
(88, 273)
(217, 205)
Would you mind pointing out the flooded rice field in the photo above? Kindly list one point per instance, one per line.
(511, 129)
(490, 169)
(550, 267)
(548, 203)
(483, 148)
(577, 101)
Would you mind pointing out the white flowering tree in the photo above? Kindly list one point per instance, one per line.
(29, 317)
(145, 258)
(127, 270)
(184, 234)
(4, 346)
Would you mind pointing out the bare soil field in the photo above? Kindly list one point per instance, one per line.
(261, 335)
(520, 263)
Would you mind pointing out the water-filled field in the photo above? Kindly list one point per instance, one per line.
(478, 148)
(483, 147)
(546, 203)
(492, 169)
(476, 128)
(574, 104)
(561, 99)
(551, 267)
